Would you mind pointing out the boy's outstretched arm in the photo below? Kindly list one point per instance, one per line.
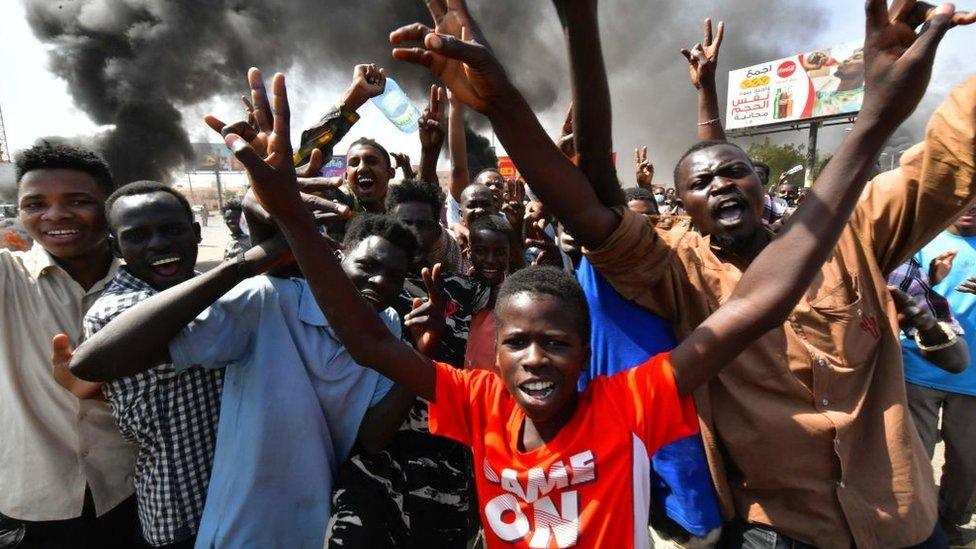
(592, 111)
(139, 338)
(459, 56)
(357, 325)
(702, 61)
(898, 66)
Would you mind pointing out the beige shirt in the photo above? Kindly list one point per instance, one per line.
(51, 444)
(808, 430)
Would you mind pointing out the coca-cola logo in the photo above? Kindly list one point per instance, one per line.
(786, 69)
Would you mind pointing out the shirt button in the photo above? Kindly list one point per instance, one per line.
(825, 402)
(822, 363)
(840, 484)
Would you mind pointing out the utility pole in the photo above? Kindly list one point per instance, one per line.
(4, 149)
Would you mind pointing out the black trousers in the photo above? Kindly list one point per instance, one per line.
(117, 528)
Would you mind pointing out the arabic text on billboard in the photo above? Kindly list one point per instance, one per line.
(810, 85)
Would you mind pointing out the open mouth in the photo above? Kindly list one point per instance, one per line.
(490, 273)
(538, 391)
(166, 266)
(729, 211)
(365, 183)
(62, 235)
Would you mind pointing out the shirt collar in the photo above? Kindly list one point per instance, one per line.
(39, 262)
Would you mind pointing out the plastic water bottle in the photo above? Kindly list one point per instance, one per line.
(397, 107)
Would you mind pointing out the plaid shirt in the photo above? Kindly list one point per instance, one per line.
(912, 279)
(171, 416)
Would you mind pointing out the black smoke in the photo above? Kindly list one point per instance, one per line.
(135, 64)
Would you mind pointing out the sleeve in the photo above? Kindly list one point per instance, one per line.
(453, 213)
(222, 333)
(637, 261)
(383, 385)
(459, 400)
(329, 131)
(656, 410)
(905, 208)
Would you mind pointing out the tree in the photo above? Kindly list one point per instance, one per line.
(779, 157)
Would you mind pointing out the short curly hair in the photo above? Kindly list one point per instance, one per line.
(553, 282)
(638, 193)
(700, 146)
(233, 205)
(365, 141)
(383, 226)
(492, 223)
(145, 187)
(53, 155)
(412, 190)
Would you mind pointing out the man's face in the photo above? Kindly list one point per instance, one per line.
(156, 237)
(233, 220)
(63, 210)
(540, 352)
(494, 181)
(418, 217)
(722, 194)
(368, 174)
(788, 192)
(377, 269)
(965, 224)
(643, 207)
(489, 255)
(477, 201)
(763, 173)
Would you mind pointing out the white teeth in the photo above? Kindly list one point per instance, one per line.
(539, 385)
(165, 260)
(64, 232)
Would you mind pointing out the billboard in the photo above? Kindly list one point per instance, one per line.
(208, 157)
(335, 167)
(817, 84)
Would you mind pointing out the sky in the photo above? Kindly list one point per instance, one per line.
(35, 103)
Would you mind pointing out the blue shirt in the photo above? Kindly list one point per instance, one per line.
(624, 335)
(920, 371)
(291, 407)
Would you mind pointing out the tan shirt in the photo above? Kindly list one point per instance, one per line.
(808, 430)
(51, 444)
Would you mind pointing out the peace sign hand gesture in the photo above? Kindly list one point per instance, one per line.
(428, 319)
(644, 168)
(703, 57)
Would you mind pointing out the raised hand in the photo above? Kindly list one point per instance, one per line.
(910, 315)
(456, 52)
(567, 139)
(897, 61)
(940, 267)
(513, 204)
(703, 57)
(368, 81)
(644, 168)
(403, 164)
(431, 126)
(427, 320)
(967, 286)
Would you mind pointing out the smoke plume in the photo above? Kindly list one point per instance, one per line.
(135, 64)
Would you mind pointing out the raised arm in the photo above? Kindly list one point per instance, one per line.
(138, 339)
(592, 115)
(460, 175)
(702, 61)
(458, 55)
(356, 324)
(897, 71)
(432, 135)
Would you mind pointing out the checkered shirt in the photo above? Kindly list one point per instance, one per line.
(171, 416)
(912, 279)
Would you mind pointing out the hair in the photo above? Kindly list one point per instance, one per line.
(233, 205)
(493, 223)
(137, 188)
(412, 190)
(637, 193)
(50, 155)
(484, 171)
(552, 282)
(700, 146)
(365, 141)
(383, 226)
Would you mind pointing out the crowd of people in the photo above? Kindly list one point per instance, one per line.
(551, 361)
